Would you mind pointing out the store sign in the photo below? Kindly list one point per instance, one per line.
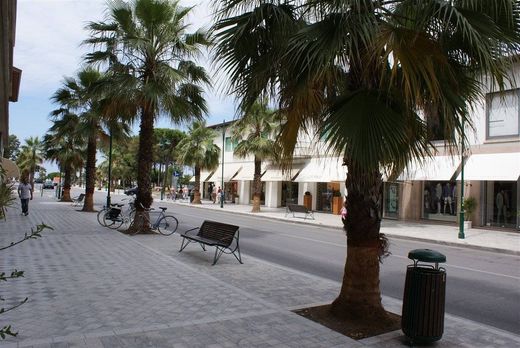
(503, 114)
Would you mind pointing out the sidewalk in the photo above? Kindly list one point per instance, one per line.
(479, 238)
(93, 287)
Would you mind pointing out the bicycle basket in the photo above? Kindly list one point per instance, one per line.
(113, 213)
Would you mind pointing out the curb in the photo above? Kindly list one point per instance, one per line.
(429, 240)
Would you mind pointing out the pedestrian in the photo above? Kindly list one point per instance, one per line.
(25, 192)
(214, 194)
(220, 194)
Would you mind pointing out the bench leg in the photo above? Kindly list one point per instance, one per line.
(239, 258)
(184, 245)
(218, 253)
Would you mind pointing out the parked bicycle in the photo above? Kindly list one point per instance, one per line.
(164, 224)
(115, 216)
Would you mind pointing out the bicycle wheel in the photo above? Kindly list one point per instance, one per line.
(100, 216)
(112, 222)
(167, 225)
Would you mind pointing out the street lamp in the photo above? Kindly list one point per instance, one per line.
(461, 222)
(222, 177)
(109, 167)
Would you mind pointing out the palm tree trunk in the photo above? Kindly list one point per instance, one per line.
(144, 171)
(196, 195)
(360, 295)
(90, 174)
(66, 185)
(257, 186)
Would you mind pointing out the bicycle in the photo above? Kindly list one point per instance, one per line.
(113, 217)
(164, 224)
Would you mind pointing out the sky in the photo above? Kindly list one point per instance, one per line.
(48, 48)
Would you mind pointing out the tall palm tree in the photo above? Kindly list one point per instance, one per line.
(31, 157)
(149, 52)
(199, 151)
(80, 95)
(372, 75)
(63, 145)
(255, 133)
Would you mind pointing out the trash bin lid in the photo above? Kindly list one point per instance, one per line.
(427, 255)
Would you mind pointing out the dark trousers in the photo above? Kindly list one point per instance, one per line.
(25, 205)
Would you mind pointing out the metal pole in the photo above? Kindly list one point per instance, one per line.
(109, 169)
(461, 225)
(222, 178)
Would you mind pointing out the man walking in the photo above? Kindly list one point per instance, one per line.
(25, 192)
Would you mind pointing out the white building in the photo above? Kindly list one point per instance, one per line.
(429, 192)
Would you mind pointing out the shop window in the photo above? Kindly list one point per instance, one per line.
(502, 114)
(325, 193)
(289, 193)
(501, 204)
(230, 144)
(440, 200)
(391, 199)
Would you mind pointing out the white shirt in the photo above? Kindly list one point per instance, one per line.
(24, 191)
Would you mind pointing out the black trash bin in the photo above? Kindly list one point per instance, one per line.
(424, 297)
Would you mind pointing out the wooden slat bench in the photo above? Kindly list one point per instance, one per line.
(295, 208)
(223, 237)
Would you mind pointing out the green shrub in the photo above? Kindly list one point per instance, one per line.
(470, 205)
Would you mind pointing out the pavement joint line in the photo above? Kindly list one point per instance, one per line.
(216, 280)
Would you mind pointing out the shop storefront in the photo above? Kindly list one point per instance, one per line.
(501, 204)
(326, 192)
(439, 200)
(391, 200)
(289, 193)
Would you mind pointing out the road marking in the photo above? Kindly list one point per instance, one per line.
(391, 255)
(467, 268)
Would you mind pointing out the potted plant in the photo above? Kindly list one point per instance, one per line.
(337, 202)
(470, 205)
(307, 200)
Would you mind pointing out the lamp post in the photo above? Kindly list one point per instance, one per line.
(222, 177)
(461, 222)
(109, 168)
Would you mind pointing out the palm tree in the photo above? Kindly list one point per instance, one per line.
(148, 50)
(80, 95)
(199, 151)
(31, 157)
(255, 133)
(365, 73)
(63, 145)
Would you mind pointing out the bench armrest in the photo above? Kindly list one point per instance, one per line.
(191, 230)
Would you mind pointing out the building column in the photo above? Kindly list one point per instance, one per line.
(273, 198)
(244, 191)
(304, 187)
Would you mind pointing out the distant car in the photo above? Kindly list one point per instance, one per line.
(48, 185)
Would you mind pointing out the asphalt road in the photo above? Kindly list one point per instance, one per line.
(481, 286)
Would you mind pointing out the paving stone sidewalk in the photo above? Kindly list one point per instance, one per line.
(93, 287)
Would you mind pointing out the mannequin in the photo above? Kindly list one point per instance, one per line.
(438, 197)
(499, 201)
(447, 192)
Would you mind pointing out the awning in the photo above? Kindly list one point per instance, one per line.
(204, 176)
(441, 168)
(492, 167)
(11, 169)
(326, 169)
(248, 171)
(275, 173)
(230, 170)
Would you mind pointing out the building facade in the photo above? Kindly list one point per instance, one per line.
(429, 190)
(9, 75)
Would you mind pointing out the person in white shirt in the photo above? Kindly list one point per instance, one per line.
(25, 192)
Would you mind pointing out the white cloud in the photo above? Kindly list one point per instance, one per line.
(48, 48)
